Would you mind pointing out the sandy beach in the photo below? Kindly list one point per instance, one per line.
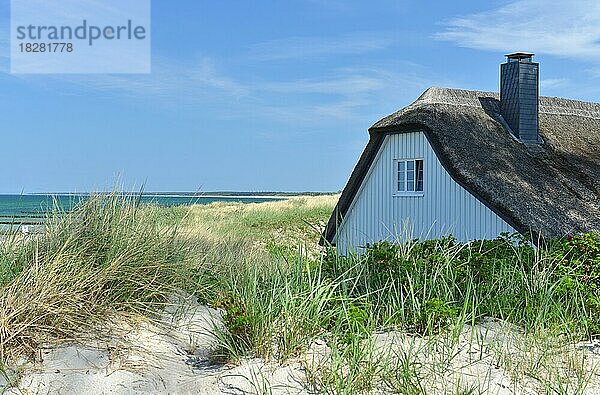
(172, 354)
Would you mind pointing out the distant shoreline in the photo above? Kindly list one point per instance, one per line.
(34, 208)
(216, 194)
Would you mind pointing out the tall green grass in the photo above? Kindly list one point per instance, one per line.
(112, 256)
(278, 302)
(108, 255)
(419, 285)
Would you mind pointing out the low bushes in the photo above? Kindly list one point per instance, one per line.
(276, 302)
(420, 286)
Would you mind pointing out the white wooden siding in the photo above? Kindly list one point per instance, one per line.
(377, 213)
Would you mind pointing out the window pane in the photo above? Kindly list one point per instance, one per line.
(419, 171)
(401, 185)
(401, 181)
(410, 176)
(401, 175)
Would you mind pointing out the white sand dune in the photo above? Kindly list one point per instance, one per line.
(495, 357)
(170, 355)
(166, 356)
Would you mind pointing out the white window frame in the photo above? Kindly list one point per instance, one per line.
(395, 178)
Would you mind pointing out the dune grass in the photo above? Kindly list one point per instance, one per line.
(107, 256)
(282, 296)
(279, 297)
(293, 221)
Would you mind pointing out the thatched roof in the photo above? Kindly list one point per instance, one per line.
(552, 189)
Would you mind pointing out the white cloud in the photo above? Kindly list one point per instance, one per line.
(194, 81)
(561, 28)
(551, 83)
(347, 94)
(352, 82)
(310, 47)
(206, 73)
(349, 85)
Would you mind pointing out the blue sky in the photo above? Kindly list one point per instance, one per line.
(273, 95)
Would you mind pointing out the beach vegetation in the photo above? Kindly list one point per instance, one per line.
(393, 318)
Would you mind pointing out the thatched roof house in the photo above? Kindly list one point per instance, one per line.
(549, 185)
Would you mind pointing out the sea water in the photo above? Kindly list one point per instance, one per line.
(34, 208)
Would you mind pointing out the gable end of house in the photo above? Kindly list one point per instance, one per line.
(549, 188)
(366, 162)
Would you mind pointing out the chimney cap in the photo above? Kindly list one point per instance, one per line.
(520, 56)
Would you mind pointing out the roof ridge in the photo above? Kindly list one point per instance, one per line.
(470, 98)
(569, 107)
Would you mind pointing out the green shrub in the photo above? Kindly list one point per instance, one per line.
(353, 323)
(422, 285)
(578, 273)
(437, 314)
